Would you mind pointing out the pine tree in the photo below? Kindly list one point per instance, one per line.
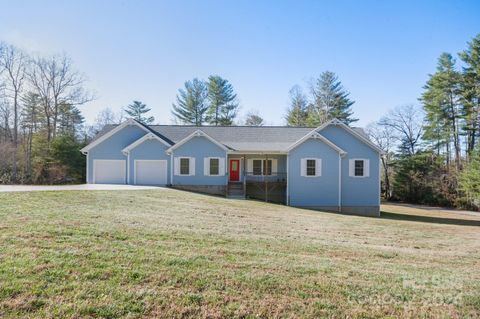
(329, 100)
(223, 106)
(441, 102)
(297, 113)
(471, 92)
(191, 106)
(137, 110)
(470, 180)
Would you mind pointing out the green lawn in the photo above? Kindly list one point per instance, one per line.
(166, 253)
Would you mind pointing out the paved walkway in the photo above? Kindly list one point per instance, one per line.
(29, 188)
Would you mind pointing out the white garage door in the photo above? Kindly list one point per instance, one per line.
(150, 172)
(109, 171)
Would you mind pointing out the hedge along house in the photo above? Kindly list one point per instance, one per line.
(332, 167)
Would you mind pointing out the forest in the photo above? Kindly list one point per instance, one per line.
(431, 149)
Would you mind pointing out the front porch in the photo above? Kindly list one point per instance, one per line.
(257, 176)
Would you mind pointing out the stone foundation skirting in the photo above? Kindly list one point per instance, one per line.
(205, 189)
(373, 211)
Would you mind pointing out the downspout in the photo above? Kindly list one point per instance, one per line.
(171, 168)
(128, 168)
(339, 182)
(287, 197)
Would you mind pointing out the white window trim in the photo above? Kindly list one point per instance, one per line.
(318, 167)
(206, 166)
(191, 166)
(274, 165)
(366, 167)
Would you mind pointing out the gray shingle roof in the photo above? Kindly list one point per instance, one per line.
(239, 138)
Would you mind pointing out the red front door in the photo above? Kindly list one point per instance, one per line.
(234, 170)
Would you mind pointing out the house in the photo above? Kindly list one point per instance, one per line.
(333, 167)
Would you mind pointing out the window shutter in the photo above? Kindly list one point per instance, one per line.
(274, 166)
(351, 168)
(303, 167)
(250, 165)
(221, 166)
(176, 166)
(318, 167)
(366, 168)
(206, 166)
(192, 165)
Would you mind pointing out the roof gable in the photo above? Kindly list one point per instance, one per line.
(315, 135)
(118, 128)
(350, 130)
(146, 137)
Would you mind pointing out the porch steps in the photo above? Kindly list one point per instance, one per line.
(235, 190)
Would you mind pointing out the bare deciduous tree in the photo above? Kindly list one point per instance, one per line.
(14, 62)
(57, 84)
(384, 138)
(406, 123)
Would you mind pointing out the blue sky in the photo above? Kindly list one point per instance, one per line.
(382, 51)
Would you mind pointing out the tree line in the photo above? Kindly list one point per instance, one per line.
(40, 123)
(432, 152)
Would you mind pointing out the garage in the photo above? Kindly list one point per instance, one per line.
(150, 172)
(109, 172)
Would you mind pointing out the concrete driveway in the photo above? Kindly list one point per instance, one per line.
(103, 187)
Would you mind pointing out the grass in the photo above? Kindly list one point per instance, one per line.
(173, 254)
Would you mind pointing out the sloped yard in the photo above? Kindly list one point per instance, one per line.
(167, 253)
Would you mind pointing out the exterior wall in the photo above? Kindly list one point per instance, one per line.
(148, 150)
(315, 192)
(199, 147)
(357, 193)
(112, 147)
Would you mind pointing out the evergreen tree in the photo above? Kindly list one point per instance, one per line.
(253, 119)
(329, 100)
(297, 113)
(191, 106)
(470, 180)
(138, 110)
(441, 102)
(471, 92)
(70, 119)
(417, 179)
(223, 106)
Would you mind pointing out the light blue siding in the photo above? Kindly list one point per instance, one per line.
(199, 147)
(112, 147)
(319, 191)
(151, 149)
(356, 191)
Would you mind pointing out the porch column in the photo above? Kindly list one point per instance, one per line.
(244, 158)
(265, 178)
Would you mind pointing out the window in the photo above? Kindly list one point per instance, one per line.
(214, 166)
(267, 167)
(311, 167)
(359, 168)
(184, 166)
(257, 167)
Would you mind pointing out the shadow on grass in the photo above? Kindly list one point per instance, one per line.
(430, 219)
